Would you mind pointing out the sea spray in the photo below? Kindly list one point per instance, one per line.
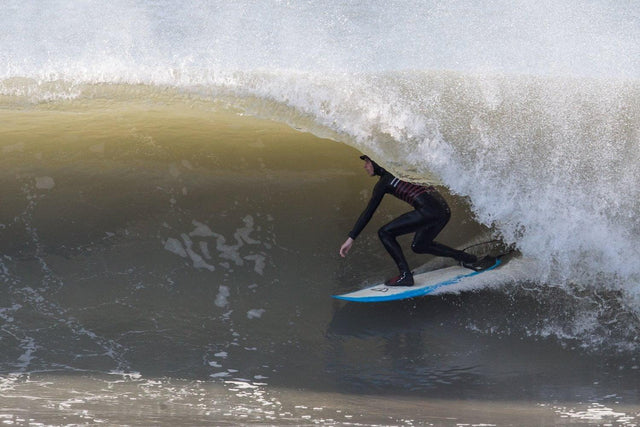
(158, 41)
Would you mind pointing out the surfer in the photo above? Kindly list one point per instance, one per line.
(431, 213)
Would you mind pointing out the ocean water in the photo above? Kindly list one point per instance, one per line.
(177, 178)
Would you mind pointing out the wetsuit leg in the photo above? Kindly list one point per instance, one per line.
(438, 249)
(404, 224)
(438, 214)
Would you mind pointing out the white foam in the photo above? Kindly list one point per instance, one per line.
(6, 314)
(222, 297)
(201, 230)
(45, 183)
(122, 42)
(220, 375)
(29, 346)
(128, 375)
(198, 261)
(260, 262)
(175, 246)
(517, 270)
(204, 249)
(255, 313)
(597, 412)
(232, 252)
(243, 233)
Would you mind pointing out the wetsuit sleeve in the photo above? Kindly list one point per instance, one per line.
(376, 198)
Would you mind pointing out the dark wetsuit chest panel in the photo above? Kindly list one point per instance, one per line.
(407, 191)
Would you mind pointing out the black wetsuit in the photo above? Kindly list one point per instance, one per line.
(430, 216)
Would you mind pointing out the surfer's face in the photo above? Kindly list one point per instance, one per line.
(368, 166)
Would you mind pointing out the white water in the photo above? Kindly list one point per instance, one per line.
(529, 108)
(149, 39)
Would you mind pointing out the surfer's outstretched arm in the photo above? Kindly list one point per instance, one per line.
(378, 193)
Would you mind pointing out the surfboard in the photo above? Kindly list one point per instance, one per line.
(425, 283)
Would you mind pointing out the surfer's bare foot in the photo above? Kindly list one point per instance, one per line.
(405, 279)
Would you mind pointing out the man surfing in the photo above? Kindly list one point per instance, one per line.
(431, 213)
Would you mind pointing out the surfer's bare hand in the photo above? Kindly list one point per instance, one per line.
(346, 246)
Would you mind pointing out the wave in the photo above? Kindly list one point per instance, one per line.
(550, 163)
(530, 111)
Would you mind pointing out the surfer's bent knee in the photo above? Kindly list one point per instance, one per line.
(384, 234)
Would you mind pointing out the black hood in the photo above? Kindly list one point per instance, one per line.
(377, 169)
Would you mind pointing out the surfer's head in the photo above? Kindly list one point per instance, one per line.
(371, 167)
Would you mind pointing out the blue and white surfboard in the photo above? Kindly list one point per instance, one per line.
(425, 283)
